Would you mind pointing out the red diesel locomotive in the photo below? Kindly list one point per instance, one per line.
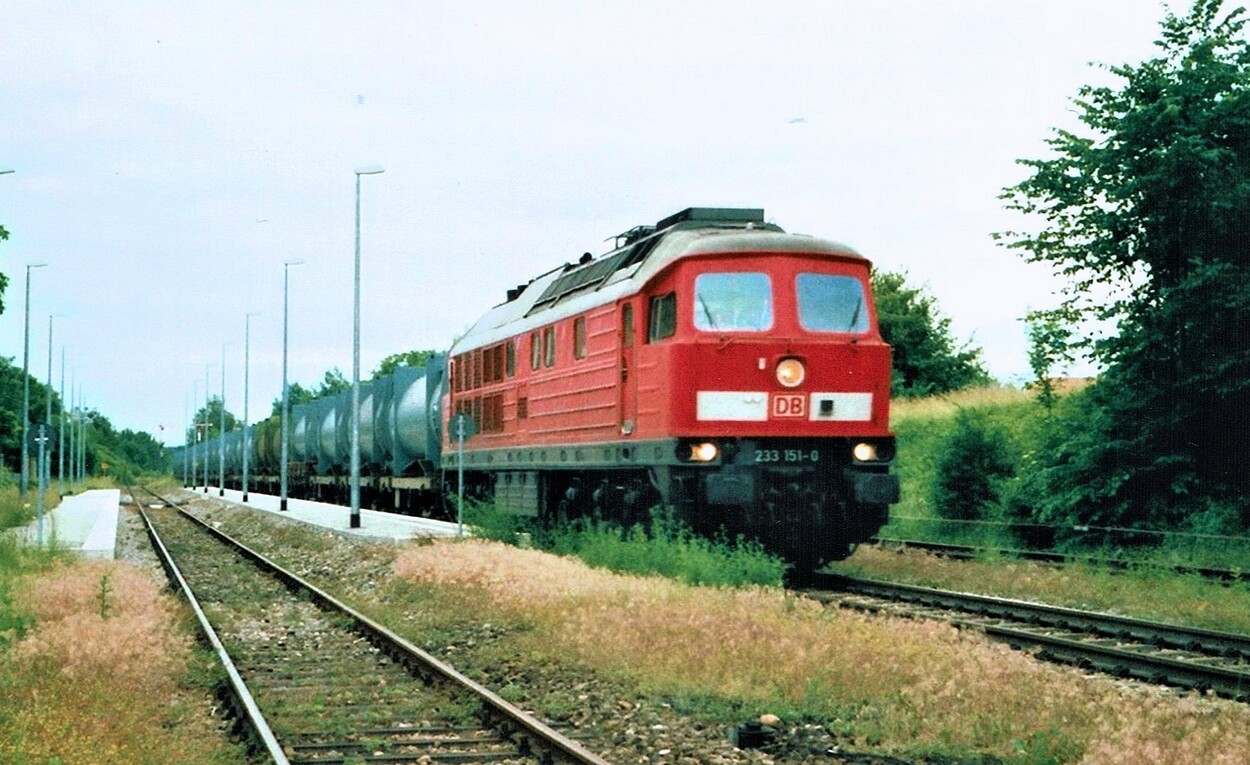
(712, 364)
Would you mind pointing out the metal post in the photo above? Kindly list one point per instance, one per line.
(247, 360)
(73, 424)
(460, 476)
(206, 399)
(186, 440)
(60, 430)
(355, 460)
(82, 438)
(221, 438)
(42, 437)
(25, 423)
(286, 388)
(44, 463)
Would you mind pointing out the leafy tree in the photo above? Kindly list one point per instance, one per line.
(333, 382)
(1049, 337)
(296, 394)
(409, 359)
(926, 358)
(11, 410)
(208, 419)
(1147, 213)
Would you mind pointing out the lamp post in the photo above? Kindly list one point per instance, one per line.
(221, 438)
(186, 435)
(82, 436)
(247, 354)
(286, 391)
(73, 426)
(25, 482)
(355, 466)
(206, 400)
(45, 467)
(60, 434)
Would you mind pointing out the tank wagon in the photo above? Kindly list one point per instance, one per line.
(712, 364)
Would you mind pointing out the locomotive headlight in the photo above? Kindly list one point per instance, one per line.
(703, 452)
(864, 452)
(790, 372)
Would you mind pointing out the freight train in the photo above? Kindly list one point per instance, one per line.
(711, 364)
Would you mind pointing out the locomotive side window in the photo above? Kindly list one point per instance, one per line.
(662, 322)
(549, 346)
(536, 351)
(733, 302)
(579, 337)
(627, 325)
(831, 303)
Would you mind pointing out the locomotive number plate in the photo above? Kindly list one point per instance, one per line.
(787, 455)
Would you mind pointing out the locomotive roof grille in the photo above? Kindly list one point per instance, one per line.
(592, 275)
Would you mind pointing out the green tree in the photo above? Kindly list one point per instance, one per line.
(1147, 213)
(333, 382)
(409, 359)
(1049, 337)
(208, 419)
(296, 394)
(11, 410)
(926, 357)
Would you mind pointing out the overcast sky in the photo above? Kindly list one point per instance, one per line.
(170, 156)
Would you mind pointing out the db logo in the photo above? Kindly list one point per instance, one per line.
(789, 405)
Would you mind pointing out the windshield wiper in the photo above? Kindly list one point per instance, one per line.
(706, 311)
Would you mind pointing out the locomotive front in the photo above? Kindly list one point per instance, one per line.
(768, 372)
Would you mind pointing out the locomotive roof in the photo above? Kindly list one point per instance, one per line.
(647, 251)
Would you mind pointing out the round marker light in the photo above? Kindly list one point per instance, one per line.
(704, 452)
(790, 372)
(865, 452)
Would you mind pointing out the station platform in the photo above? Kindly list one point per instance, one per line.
(375, 525)
(85, 523)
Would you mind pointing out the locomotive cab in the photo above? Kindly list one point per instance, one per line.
(778, 394)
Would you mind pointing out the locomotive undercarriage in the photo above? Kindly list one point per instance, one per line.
(804, 500)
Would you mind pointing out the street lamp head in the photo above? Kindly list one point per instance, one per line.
(370, 170)
(6, 171)
(293, 263)
(35, 265)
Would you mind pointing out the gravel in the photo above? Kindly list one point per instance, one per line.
(625, 726)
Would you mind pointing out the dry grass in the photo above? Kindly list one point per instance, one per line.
(97, 678)
(903, 685)
(949, 404)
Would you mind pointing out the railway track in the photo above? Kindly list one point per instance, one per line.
(1154, 652)
(967, 552)
(315, 682)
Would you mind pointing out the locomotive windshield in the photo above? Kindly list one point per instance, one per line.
(733, 302)
(831, 303)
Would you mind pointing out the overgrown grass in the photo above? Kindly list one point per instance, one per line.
(899, 686)
(1145, 592)
(664, 546)
(95, 671)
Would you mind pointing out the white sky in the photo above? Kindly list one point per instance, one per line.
(171, 155)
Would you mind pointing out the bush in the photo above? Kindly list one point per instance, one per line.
(975, 459)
